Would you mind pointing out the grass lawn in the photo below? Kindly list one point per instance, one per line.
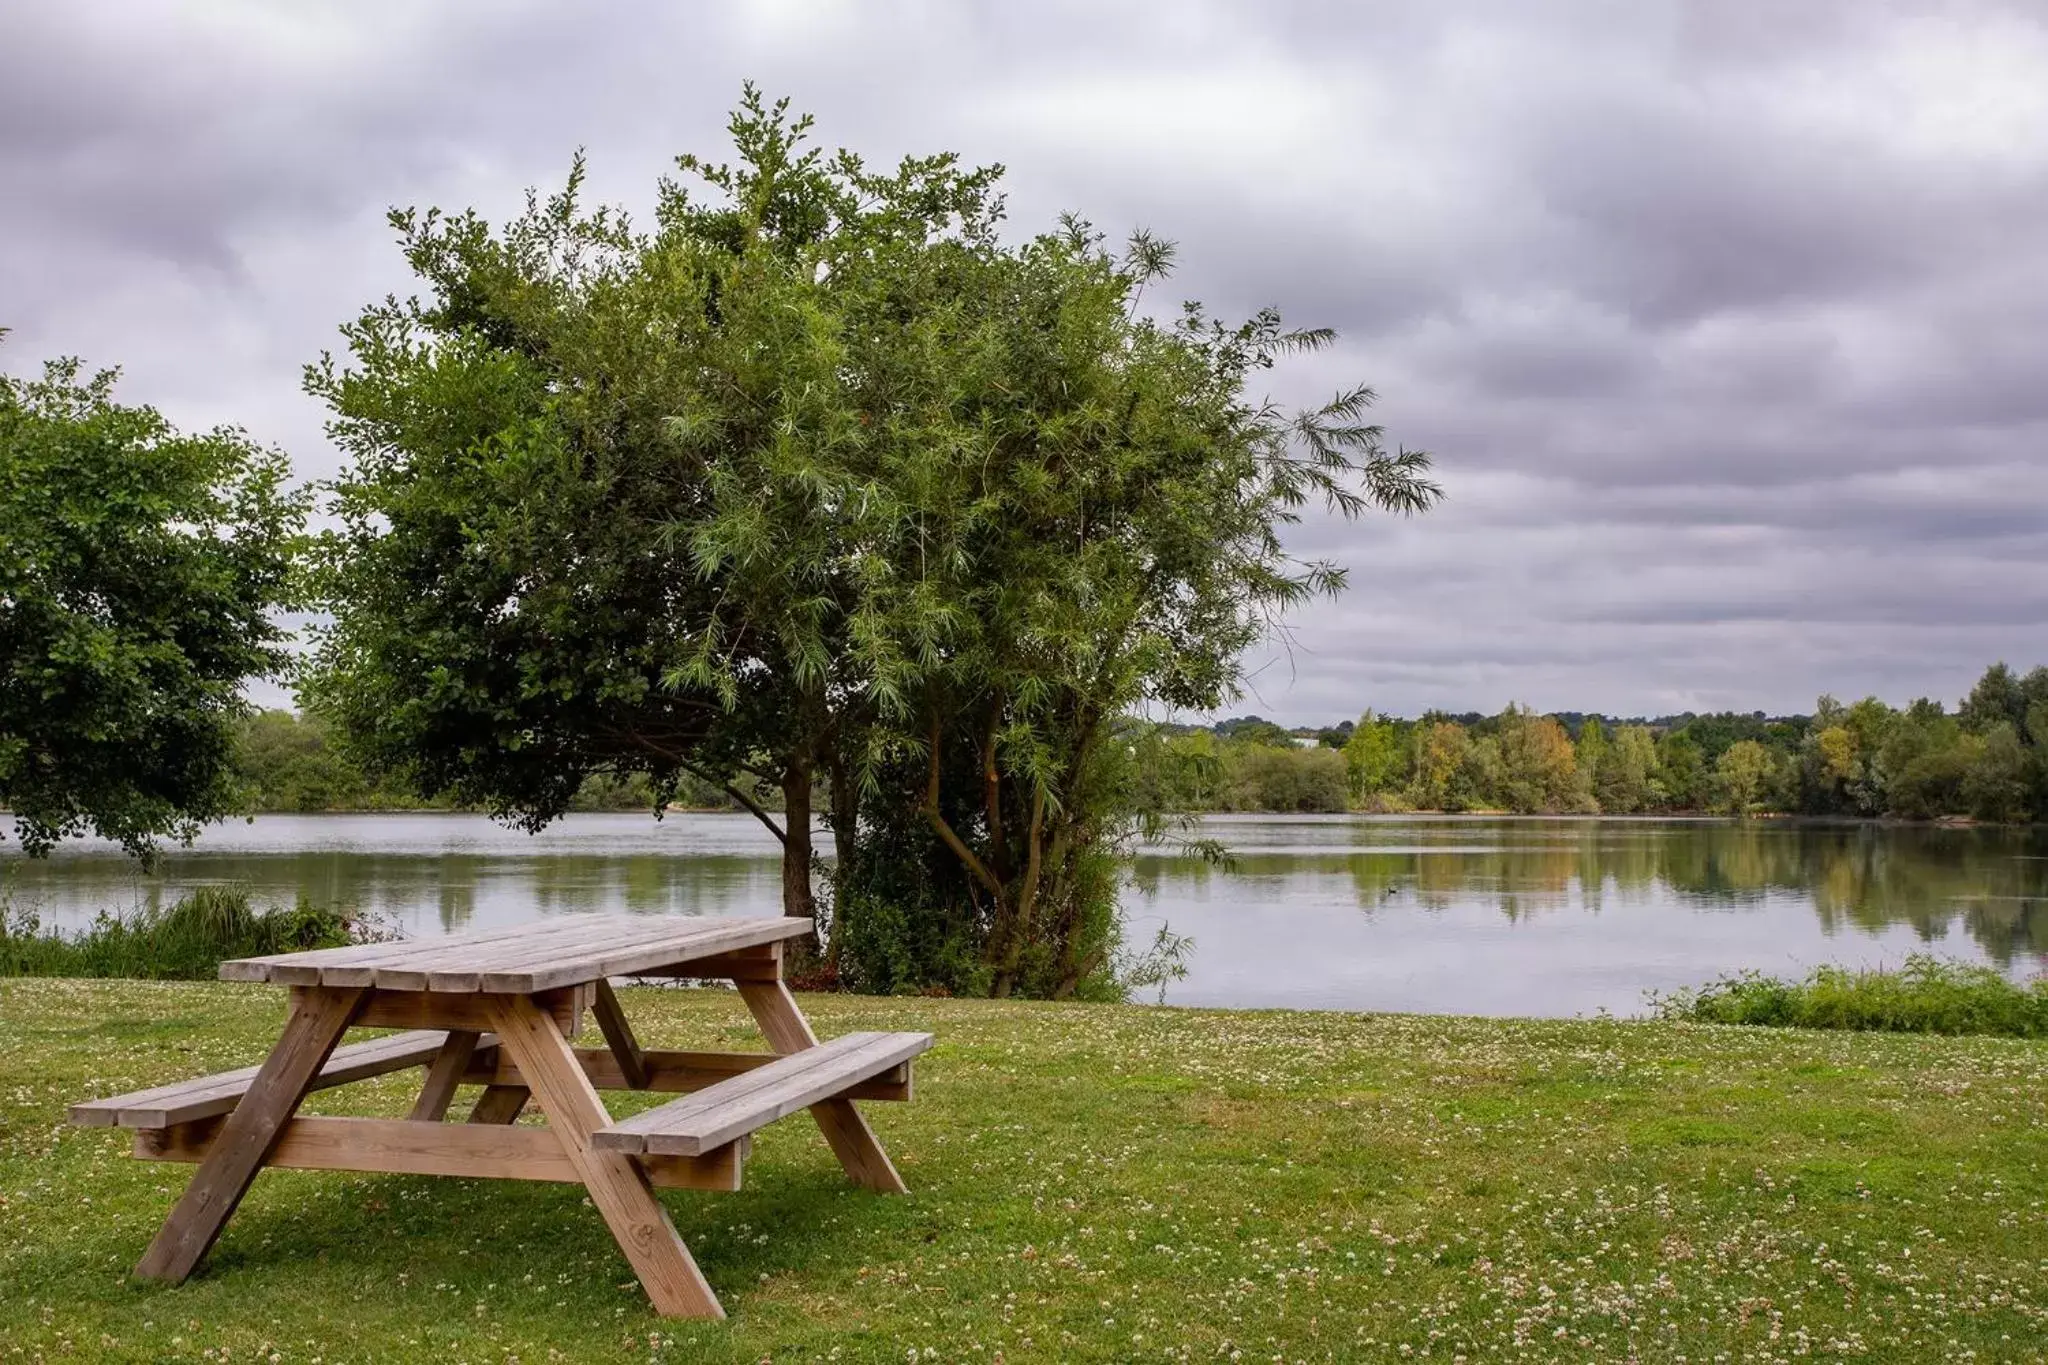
(1109, 1184)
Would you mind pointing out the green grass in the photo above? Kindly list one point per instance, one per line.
(186, 942)
(1927, 995)
(1110, 1183)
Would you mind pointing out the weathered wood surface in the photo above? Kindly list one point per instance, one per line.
(443, 1010)
(721, 1113)
(618, 1186)
(205, 1096)
(679, 1072)
(845, 1128)
(315, 1025)
(406, 1147)
(500, 1104)
(444, 1074)
(618, 1036)
(524, 959)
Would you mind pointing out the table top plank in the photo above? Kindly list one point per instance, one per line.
(398, 970)
(522, 959)
(720, 934)
(464, 973)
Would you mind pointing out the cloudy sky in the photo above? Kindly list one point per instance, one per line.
(1726, 320)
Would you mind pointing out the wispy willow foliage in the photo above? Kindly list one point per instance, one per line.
(821, 481)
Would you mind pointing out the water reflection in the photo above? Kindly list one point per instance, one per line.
(1992, 884)
(1431, 914)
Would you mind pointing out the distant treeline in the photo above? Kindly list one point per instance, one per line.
(1987, 760)
(288, 762)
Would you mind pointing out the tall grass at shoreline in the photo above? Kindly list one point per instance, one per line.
(1926, 995)
(187, 941)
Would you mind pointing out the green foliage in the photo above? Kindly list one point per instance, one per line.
(188, 941)
(286, 762)
(1865, 760)
(821, 482)
(1539, 770)
(1742, 775)
(1375, 758)
(140, 574)
(1927, 995)
(2000, 782)
(1626, 779)
(1293, 779)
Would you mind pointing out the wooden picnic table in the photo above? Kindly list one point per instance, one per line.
(501, 1008)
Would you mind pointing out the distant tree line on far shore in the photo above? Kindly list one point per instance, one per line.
(285, 762)
(1986, 760)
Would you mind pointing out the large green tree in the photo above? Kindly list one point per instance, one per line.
(141, 572)
(821, 482)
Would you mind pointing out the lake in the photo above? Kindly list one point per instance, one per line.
(1433, 914)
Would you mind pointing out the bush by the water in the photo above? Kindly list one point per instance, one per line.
(188, 941)
(1927, 995)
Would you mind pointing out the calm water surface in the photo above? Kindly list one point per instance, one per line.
(1441, 915)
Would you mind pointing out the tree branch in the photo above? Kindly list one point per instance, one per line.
(945, 831)
(992, 793)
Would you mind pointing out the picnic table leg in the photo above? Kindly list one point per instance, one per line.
(499, 1104)
(845, 1128)
(317, 1021)
(618, 1036)
(616, 1183)
(444, 1074)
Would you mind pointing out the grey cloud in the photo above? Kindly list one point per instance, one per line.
(1724, 317)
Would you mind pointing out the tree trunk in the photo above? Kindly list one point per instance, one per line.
(845, 799)
(797, 898)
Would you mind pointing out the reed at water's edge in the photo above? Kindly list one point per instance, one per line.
(188, 941)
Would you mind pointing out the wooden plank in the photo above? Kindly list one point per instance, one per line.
(845, 1128)
(607, 935)
(407, 1147)
(205, 1096)
(763, 963)
(499, 1104)
(618, 1187)
(718, 936)
(305, 968)
(428, 1009)
(618, 1036)
(521, 958)
(712, 1117)
(681, 1072)
(454, 963)
(443, 1075)
(357, 964)
(315, 1025)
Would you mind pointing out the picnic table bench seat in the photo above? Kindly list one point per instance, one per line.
(707, 1119)
(205, 1097)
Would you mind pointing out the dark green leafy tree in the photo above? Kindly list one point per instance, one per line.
(140, 575)
(1626, 781)
(821, 483)
(2000, 782)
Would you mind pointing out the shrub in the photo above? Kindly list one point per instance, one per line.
(188, 941)
(1927, 995)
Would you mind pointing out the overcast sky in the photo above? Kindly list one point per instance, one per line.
(1726, 321)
